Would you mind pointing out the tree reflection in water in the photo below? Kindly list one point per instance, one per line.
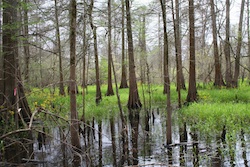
(146, 146)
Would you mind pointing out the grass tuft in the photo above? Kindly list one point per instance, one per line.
(215, 108)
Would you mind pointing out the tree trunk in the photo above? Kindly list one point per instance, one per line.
(218, 76)
(74, 128)
(14, 97)
(134, 100)
(110, 91)
(84, 85)
(192, 92)
(124, 83)
(59, 51)
(166, 51)
(228, 76)
(142, 44)
(238, 49)
(26, 42)
(10, 52)
(177, 51)
(84, 50)
(166, 75)
(160, 47)
(98, 84)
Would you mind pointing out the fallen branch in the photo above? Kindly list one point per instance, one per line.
(14, 132)
(32, 118)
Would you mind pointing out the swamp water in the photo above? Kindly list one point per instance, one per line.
(189, 148)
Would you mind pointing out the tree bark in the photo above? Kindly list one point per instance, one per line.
(134, 100)
(134, 103)
(84, 50)
(166, 73)
(14, 97)
(143, 48)
(110, 91)
(10, 51)
(93, 27)
(238, 49)
(124, 83)
(59, 51)
(192, 91)
(160, 65)
(26, 42)
(177, 49)
(218, 75)
(166, 50)
(228, 76)
(74, 128)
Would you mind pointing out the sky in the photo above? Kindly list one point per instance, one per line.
(152, 26)
(142, 1)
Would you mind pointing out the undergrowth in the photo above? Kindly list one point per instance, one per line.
(214, 109)
(60, 105)
(217, 108)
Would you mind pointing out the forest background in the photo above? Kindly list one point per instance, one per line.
(43, 59)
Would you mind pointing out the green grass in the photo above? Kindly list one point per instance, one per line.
(107, 107)
(215, 108)
(224, 95)
(209, 117)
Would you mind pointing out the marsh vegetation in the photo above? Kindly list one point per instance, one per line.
(211, 132)
(183, 68)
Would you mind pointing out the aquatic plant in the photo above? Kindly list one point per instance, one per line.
(209, 118)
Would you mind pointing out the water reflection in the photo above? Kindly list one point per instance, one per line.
(113, 139)
(100, 143)
(143, 141)
(134, 121)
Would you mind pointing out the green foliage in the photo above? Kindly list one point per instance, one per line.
(103, 70)
(224, 95)
(108, 107)
(25, 5)
(217, 108)
(215, 115)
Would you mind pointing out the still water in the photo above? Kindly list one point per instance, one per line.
(188, 149)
